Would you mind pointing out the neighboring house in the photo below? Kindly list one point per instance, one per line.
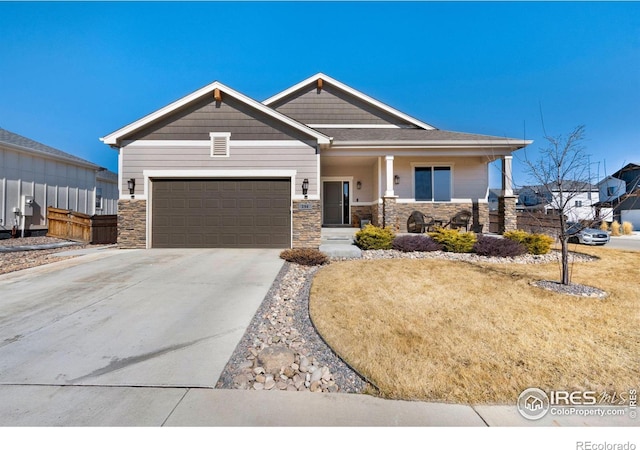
(34, 176)
(219, 169)
(578, 199)
(532, 198)
(620, 196)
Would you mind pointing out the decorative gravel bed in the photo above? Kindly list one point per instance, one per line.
(282, 326)
(282, 322)
(579, 290)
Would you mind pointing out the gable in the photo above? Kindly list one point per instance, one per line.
(331, 105)
(346, 106)
(213, 108)
(196, 120)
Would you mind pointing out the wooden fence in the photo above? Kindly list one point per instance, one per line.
(75, 226)
(529, 221)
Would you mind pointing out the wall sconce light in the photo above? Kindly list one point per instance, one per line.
(396, 179)
(358, 185)
(305, 187)
(131, 184)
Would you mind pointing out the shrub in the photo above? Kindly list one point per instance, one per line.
(615, 228)
(374, 238)
(454, 240)
(535, 243)
(604, 226)
(503, 248)
(304, 256)
(415, 243)
(627, 228)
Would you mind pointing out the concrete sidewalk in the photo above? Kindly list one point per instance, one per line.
(200, 407)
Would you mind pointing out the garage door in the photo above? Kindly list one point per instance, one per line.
(229, 213)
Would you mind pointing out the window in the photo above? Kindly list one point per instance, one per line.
(611, 190)
(98, 198)
(578, 204)
(433, 183)
(220, 144)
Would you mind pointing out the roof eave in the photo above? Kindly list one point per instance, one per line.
(512, 145)
(20, 148)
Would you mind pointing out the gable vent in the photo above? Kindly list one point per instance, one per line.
(220, 144)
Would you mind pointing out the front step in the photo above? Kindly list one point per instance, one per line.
(341, 251)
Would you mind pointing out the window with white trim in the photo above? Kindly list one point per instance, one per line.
(432, 183)
(578, 203)
(220, 144)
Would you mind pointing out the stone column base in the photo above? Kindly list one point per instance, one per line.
(132, 223)
(507, 214)
(307, 224)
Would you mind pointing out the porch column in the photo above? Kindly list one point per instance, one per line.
(389, 191)
(508, 218)
(507, 177)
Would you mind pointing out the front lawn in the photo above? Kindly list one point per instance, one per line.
(477, 333)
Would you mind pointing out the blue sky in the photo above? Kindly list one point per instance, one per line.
(73, 72)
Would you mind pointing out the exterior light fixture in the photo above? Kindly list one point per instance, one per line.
(131, 184)
(305, 187)
(396, 179)
(358, 185)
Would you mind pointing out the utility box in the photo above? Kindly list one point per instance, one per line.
(27, 205)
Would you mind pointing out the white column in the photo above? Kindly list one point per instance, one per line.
(507, 177)
(389, 191)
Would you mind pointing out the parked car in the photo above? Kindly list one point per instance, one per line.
(581, 234)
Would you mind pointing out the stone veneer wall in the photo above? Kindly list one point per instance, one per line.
(132, 223)
(307, 224)
(507, 214)
(390, 214)
(376, 214)
(359, 212)
(444, 211)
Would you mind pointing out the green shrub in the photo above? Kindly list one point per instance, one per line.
(304, 256)
(454, 240)
(535, 243)
(374, 238)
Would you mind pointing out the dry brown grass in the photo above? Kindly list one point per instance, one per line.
(480, 333)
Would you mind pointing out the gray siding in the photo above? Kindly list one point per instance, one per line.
(302, 159)
(110, 196)
(197, 120)
(332, 106)
(51, 183)
(631, 202)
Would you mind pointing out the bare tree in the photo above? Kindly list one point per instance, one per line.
(562, 171)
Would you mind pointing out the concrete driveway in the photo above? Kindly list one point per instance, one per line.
(157, 318)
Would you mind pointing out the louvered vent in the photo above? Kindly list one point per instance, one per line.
(220, 144)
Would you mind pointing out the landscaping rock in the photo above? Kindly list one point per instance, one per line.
(275, 358)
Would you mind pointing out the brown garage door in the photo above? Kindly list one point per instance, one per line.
(229, 213)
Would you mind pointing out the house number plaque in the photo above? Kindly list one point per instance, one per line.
(304, 206)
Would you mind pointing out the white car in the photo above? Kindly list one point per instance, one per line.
(580, 234)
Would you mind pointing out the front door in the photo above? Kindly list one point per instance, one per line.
(335, 197)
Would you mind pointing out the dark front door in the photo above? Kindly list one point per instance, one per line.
(335, 197)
